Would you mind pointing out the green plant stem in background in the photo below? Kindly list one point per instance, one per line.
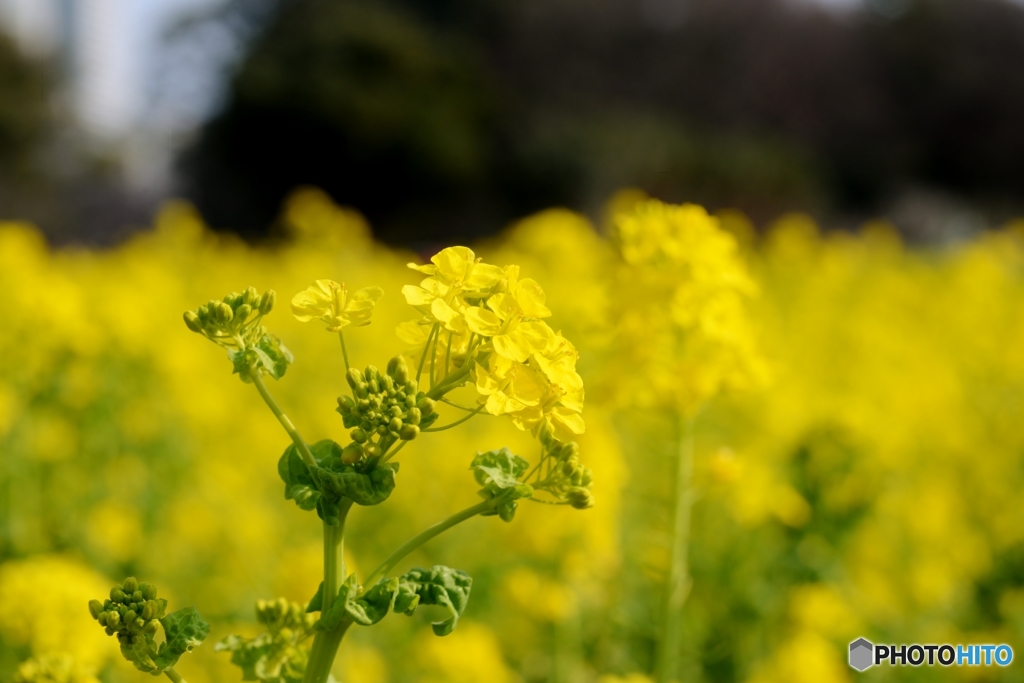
(427, 534)
(174, 675)
(451, 381)
(307, 456)
(679, 582)
(454, 424)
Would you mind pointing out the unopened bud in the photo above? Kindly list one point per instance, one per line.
(372, 450)
(113, 619)
(109, 630)
(117, 595)
(580, 498)
(372, 374)
(223, 313)
(587, 477)
(546, 434)
(148, 591)
(250, 296)
(395, 411)
(409, 432)
(395, 425)
(345, 404)
(149, 610)
(150, 627)
(285, 633)
(130, 585)
(130, 616)
(569, 450)
(355, 378)
(95, 608)
(267, 301)
(358, 435)
(374, 386)
(242, 313)
(415, 416)
(352, 453)
(192, 321)
(426, 406)
(362, 391)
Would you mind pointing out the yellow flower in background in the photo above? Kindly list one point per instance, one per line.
(329, 301)
(52, 668)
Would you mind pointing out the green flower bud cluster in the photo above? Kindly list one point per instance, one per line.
(234, 323)
(236, 316)
(565, 477)
(285, 620)
(383, 408)
(132, 611)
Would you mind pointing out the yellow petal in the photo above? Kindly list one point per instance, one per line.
(530, 298)
(371, 294)
(563, 417)
(412, 333)
(523, 340)
(482, 321)
(453, 262)
(417, 296)
(483, 276)
(428, 269)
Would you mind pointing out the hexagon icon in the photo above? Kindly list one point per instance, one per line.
(861, 654)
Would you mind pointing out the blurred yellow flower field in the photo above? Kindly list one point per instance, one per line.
(857, 447)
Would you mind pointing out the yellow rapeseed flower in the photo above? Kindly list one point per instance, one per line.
(329, 301)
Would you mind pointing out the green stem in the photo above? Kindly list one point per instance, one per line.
(456, 405)
(426, 348)
(453, 424)
(427, 534)
(393, 453)
(452, 380)
(433, 355)
(174, 675)
(344, 351)
(325, 643)
(679, 581)
(300, 444)
(448, 356)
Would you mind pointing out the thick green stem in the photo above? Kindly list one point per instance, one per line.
(300, 444)
(325, 643)
(451, 381)
(427, 534)
(679, 582)
(174, 675)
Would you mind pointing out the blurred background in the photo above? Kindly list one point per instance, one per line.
(863, 156)
(449, 118)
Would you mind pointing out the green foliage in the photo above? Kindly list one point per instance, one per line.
(280, 654)
(440, 586)
(499, 472)
(133, 613)
(332, 481)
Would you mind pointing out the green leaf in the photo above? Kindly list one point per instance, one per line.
(140, 651)
(498, 470)
(371, 488)
(299, 483)
(183, 630)
(333, 617)
(439, 585)
(265, 659)
(316, 603)
(247, 652)
(273, 355)
(374, 604)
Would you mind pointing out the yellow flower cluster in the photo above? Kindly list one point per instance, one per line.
(679, 302)
(523, 369)
(329, 302)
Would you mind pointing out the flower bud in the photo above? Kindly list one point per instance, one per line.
(410, 401)
(130, 585)
(387, 384)
(109, 630)
(250, 296)
(345, 404)
(587, 477)
(546, 434)
(410, 388)
(192, 321)
(372, 450)
(148, 591)
(358, 435)
(570, 465)
(352, 453)
(117, 595)
(374, 386)
(113, 619)
(149, 610)
(426, 406)
(102, 618)
(395, 411)
(409, 432)
(355, 378)
(395, 425)
(414, 416)
(372, 374)
(286, 633)
(362, 391)
(139, 623)
(150, 627)
(382, 430)
(580, 498)
(393, 365)
(130, 616)
(223, 313)
(267, 301)
(569, 450)
(95, 608)
(242, 313)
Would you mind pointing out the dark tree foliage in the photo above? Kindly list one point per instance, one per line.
(25, 117)
(445, 119)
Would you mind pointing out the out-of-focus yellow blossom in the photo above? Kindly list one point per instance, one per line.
(329, 301)
(470, 654)
(42, 608)
(628, 678)
(52, 668)
(538, 596)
